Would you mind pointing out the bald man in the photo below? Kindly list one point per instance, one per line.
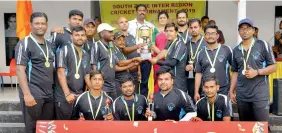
(130, 51)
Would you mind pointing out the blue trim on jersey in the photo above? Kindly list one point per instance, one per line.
(58, 49)
(66, 72)
(98, 66)
(264, 66)
(182, 57)
(29, 69)
(175, 71)
(182, 113)
(227, 70)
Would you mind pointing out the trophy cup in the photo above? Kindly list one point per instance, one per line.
(144, 35)
(151, 106)
(191, 73)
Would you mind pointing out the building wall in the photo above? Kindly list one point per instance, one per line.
(261, 12)
(57, 12)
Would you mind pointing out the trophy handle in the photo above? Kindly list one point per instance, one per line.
(137, 36)
(151, 108)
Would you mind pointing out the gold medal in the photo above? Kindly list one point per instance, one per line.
(47, 64)
(77, 76)
(46, 55)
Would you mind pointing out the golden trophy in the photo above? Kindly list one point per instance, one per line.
(144, 35)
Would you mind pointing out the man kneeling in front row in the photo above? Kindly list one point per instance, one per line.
(129, 106)
(170, 103)
(93, 104)
(212, 107)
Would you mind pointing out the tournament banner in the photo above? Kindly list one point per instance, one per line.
(150, 127)
(112, 10)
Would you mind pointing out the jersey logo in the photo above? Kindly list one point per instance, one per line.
(221, 58)
(84, 64)
(139, 110)
(219, 114)
(255, 55)
(170, 106)
(103, 110)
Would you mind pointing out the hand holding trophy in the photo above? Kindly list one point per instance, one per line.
(108, 112)
(150, 110)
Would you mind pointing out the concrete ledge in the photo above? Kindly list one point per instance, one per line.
(10, 106)
(12, 128)
(11, 117)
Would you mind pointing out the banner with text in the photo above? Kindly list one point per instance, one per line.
(112, 10)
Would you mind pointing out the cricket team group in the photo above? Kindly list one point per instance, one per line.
(90, 70)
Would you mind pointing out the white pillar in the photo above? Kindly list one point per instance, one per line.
(242, 11)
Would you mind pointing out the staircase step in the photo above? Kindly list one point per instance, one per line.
(10, 106)
(276, 129)
(12, 128)
(11, 117)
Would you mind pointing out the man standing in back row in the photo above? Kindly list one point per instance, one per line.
(183, 29)
(64, 38)
(34, 59)
(253, 61)
(194, 45)
(174, 55)
(72, 66)
(213, 59)
(130, 50)
(102, 59)
(134, 26)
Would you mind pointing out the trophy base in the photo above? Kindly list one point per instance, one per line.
(145, 55)
(191, 75)
(150, 118)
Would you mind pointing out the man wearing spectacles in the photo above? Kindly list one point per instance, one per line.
(252, 61)
(214, 59)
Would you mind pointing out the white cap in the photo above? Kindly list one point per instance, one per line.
(105, 26)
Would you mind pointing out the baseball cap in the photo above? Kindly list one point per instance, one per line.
(246, 21)
(89, 20)
(105, 26)
(118, 34)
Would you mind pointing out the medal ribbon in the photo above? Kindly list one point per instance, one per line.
(214, 59)
(170, 47)
(91, 108)
(77, 65)
(248, 55)
(110, 54)
(88, 44)
(186, 37)
(131, 118)
(120, 53)
(46, 56)
(208, 106)
(197, 50)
